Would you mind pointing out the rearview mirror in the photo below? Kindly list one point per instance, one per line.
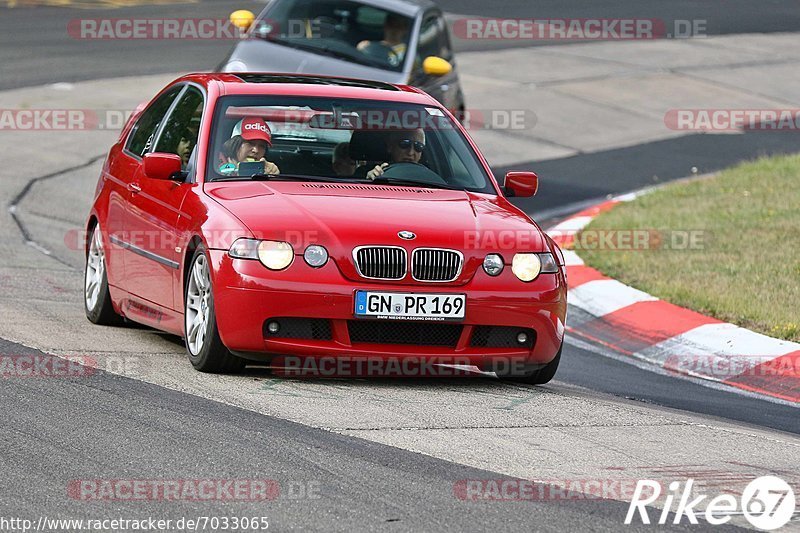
(242, 19)
(521, 184)
(162, 166)
(436, 66)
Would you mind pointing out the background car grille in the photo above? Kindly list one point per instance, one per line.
(417, 333)
(433, 264)
(381, 262)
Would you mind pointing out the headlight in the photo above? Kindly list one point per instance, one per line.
(275, 255)
(493, 264)
(316, 255)
(527, 267)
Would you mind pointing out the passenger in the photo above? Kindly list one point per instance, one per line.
(249, 142)
(343, 165)
(403, 147)
(188, 142)
(395, 35)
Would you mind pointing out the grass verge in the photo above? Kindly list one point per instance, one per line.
(726, 246)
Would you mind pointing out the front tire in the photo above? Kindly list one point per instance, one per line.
(534, 377)
(203, 343)
(96, 296)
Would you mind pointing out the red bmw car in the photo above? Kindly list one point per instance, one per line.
(264, 215)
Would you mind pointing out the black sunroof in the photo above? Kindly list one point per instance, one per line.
(314, 80)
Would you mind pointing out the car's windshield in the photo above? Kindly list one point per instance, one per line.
(347, 30)
(349, 140)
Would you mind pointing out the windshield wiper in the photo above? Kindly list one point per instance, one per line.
(285, 177)
(299, 177)
(411, 183)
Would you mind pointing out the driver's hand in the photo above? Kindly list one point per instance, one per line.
(363, 44)
(377, 171)
(270, 167)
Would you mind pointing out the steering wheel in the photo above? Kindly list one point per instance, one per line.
(383, 52)
(415, 171)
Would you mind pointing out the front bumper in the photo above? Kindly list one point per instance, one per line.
(247, 295)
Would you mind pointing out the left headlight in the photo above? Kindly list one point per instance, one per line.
(527, 267)
(275, 255)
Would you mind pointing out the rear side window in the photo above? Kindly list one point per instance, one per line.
(141, 137)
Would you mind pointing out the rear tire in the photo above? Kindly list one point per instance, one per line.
(96, 296)
(203, 343)
(534, 377)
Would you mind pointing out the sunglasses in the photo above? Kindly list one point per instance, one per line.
(405, 144)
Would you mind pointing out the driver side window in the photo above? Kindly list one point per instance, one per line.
(180, 132)
(433, 41)
(141, 139)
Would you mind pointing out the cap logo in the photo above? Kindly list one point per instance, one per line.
(260, 127)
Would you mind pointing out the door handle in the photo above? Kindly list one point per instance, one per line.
(134, 188)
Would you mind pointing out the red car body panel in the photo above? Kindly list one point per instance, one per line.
(163, 220)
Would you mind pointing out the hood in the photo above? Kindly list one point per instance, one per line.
(258, 55)
(343, 216)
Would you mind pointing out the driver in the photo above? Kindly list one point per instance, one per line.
(403, 147)
(250, 139)
(395, 31)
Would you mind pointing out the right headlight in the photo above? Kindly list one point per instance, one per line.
(528, 266)
(275, 255)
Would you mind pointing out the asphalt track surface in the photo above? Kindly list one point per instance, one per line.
(36, 48)
(327, 482)
(64, 428)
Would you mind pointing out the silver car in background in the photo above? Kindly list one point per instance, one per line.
(352, 38)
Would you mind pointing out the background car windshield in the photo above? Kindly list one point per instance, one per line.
(306, 132)
(347, 30)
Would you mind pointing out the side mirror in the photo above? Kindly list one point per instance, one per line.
(162, 166)
(436, 66)
(521, 184)
(242, 19)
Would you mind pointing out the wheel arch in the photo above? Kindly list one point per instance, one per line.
(191, 248)
(90, 225)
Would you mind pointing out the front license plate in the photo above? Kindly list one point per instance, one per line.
(410, 306)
